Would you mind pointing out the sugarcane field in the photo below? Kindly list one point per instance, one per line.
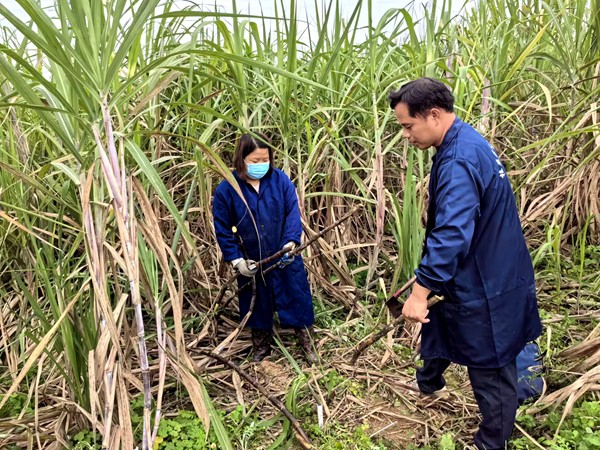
(299, 224)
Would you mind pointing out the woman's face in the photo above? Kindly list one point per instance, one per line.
(260, 155)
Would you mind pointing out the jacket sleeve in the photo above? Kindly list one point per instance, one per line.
(222, 217)
(457, 211)
(292, 226)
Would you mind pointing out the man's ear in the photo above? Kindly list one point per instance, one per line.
(435, 113)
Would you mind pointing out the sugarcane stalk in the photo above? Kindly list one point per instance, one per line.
(162, 368)
(110, 385)
(234, 334)
(123, 209)
(278, 255)
(376, 335)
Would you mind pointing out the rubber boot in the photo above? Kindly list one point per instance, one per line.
(305, 339)
(261, 344)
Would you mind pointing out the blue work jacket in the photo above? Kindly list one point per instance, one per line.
(277, 221)
(475, 256)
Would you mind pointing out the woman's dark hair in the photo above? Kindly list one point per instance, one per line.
(421, 95)
(246, 145)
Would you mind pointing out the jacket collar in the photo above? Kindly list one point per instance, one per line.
(451, 134)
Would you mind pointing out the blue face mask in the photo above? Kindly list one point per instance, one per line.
(258, 170)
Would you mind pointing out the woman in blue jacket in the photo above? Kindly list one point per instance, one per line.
(267, 220)
(475, 256)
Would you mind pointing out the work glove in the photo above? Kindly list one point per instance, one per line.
(290, 246)
(246, 267)
(286, 258)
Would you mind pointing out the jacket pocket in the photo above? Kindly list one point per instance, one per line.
(515, 320)
(470, 334)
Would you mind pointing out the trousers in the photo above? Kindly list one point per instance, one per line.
(495, 391)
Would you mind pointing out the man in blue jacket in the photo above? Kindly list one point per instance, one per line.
(475, 256)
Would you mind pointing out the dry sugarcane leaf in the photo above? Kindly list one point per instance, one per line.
(93, 387)
(154, 237)
(237, 384)
(95, 258)
(192, 384)
(37, 352)
(124, 413)
(160, 86)
(111, 377)
(574, 390)
(584, 348)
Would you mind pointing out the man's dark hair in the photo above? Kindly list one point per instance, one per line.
(246, 145)
(421, 95)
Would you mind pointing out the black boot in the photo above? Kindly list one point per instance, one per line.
(305, 339)
(261, 344)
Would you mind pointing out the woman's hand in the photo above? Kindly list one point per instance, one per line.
(246, 267)
(286, 258)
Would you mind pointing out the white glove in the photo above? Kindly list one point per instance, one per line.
(289, 246)
(246, 267)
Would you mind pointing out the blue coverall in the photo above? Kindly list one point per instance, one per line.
(476, 257)
(277, 222)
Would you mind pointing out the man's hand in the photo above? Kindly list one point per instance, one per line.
(246, 267)
(415, 307)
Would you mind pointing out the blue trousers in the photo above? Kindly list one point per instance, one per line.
(496, 394)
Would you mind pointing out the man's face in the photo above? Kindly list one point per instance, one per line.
(421, 131)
